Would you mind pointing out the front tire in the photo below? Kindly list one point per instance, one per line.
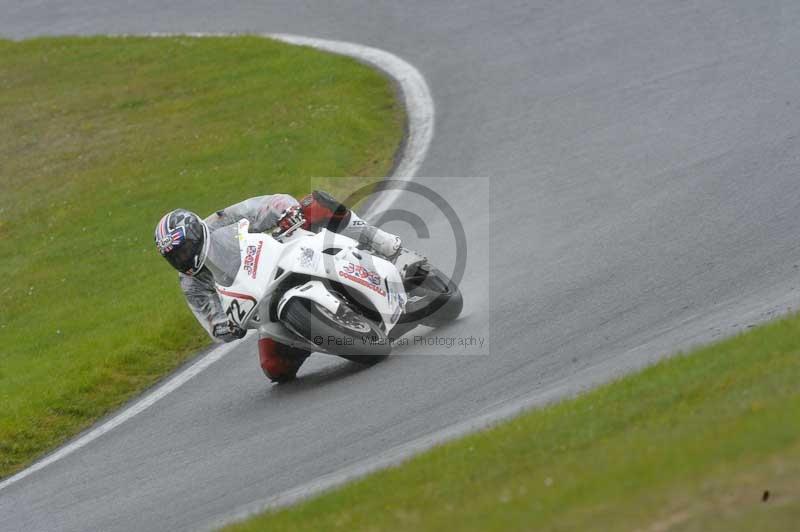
(346, 334)
(441, 299)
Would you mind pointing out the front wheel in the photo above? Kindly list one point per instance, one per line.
(436, 299)
(346, 334)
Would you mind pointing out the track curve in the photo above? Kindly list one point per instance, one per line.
(644, 160)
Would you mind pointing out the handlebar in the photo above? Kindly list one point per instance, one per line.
(279, 234)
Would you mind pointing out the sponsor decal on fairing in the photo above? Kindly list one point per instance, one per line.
(306, 257)
(361, 275)
(251, 259)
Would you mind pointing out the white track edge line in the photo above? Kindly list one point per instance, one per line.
(139, 406)
(420, 114)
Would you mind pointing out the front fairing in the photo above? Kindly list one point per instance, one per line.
(257, 258)
(265, 263)
(332, 256)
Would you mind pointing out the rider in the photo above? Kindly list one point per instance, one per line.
(205, 252)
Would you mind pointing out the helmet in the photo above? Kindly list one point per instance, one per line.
(182, 238)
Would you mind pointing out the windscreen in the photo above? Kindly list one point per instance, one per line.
(224, 258)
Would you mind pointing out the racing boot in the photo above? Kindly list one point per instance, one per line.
(280, 362)
(384, 244)
(391, 248)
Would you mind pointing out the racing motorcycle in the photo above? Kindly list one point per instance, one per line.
(321, 292)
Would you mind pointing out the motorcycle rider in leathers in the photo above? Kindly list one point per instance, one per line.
(207, 251)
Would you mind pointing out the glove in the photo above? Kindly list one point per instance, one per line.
(320, 209)
(290, 217)
(227, 331)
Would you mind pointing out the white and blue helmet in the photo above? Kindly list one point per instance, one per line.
(182, 238)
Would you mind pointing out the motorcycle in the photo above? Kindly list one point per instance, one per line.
(321, 292)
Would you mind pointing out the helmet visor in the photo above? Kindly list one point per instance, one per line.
(182, 257)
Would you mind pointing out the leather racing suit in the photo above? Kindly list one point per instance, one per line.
(278, 361)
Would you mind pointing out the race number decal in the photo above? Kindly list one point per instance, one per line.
(235, 311)
(240, 307)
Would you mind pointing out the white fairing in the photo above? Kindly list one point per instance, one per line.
(266, 262)
(313, 290)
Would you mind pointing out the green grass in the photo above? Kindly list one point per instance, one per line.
(101, 136)
(691, 443)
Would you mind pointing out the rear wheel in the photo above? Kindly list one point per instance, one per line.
(346, 333)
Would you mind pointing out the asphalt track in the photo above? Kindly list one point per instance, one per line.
(645, 181)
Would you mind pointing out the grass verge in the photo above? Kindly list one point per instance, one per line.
(98, 138)
(705, 441)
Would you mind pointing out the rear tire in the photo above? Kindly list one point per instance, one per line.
(347, 334)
